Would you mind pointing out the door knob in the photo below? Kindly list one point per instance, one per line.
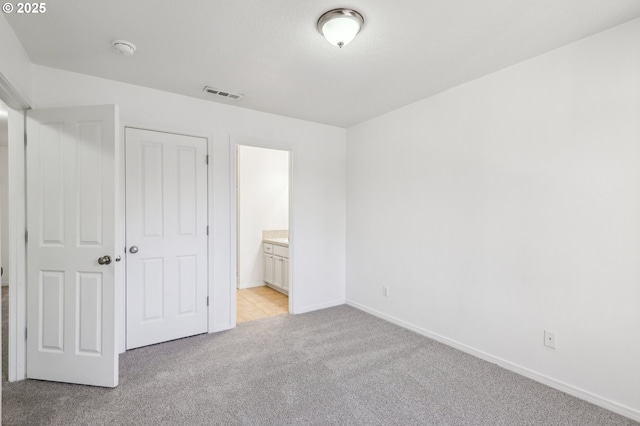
(133, 249)
(104, 260)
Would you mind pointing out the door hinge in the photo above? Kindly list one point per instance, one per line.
(207, 158)
(207, 300)
(207, 229)
(26, 236)
(26, 333)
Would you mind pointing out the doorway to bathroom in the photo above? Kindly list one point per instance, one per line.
(263, 281)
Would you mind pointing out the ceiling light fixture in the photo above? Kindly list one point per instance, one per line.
(124, 47)
(340, 26)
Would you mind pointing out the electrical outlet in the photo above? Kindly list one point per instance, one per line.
(550, 339)
(385, 291)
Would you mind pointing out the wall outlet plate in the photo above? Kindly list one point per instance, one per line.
(550, 339)
(385, 291)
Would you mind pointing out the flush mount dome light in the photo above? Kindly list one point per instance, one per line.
(340, 26)
(124, 47)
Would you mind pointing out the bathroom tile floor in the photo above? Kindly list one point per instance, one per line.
(260, 302)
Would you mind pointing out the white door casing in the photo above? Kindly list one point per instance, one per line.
(166, 222)
(17, 248)
(71, 211)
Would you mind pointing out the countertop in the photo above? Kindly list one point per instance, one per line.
(284, 242)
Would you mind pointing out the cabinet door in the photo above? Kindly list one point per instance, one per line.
(268, 268)
(278, 276)
(285, 272)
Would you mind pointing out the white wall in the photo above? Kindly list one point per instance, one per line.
(15, 65)
(263, 178)
(4, 212)
(510, 205)
(318, 176)
(15, 90)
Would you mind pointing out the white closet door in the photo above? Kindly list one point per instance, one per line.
(166, 215)
(71, 205)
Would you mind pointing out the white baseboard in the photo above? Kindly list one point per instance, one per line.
(312, 308)
(251, 285)
(523, 371)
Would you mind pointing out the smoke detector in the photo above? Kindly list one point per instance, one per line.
(223, 93)
(124, 47)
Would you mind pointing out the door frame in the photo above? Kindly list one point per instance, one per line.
(233, 216)
(17, 350)
(123, 218)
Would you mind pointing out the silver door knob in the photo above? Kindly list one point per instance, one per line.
(104, 260)
(133, 249)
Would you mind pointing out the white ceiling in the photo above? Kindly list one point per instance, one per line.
(271, 52)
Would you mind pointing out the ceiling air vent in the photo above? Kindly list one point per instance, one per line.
(222, 93)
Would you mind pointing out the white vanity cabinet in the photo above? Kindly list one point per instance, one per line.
(276, 267)
(268, 268)
(285, 282)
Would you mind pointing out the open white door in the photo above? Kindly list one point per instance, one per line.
(71, 249)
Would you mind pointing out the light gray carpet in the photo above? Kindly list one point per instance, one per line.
(332, 367)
